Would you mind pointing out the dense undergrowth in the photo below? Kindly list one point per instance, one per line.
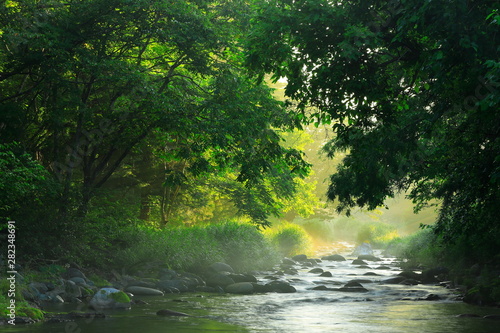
(190, 248)
(473, 268)
(140, 250)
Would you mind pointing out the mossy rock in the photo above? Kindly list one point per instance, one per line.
(120, 297)
(107, 298)
(86, 291)
(33, 313)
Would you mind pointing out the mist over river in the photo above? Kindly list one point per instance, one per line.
(382, 307)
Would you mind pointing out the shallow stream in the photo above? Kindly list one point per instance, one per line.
(383, 308)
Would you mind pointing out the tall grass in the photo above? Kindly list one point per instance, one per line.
(290, 239)
(192, 248)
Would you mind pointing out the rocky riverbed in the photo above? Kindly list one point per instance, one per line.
(358, 276)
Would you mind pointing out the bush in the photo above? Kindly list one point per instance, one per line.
(190, 248)
(377, 234)
(243, 246)
(290, 239)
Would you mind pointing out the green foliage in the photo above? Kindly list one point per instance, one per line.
(243, 246)
(33, 313)
(192, 248)
(411, 89)
(290, 239)
(426, 249)
(419, 248)
(23, 180)
(46, 273)
(99, 282)
(377, 234)
(147, 99)
(22, 307)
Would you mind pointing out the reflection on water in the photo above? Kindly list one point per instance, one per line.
(384, 308)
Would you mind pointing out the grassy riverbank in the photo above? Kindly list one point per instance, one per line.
(143, 251)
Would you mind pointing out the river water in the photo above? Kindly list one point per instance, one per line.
(383, 308)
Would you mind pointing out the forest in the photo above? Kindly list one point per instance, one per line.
(125, 123)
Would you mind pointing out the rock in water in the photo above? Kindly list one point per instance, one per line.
(299, 257)
(240, 288)
(110, 298)
(468, 315)
(167, 313)
(492, 317)
(363, 249)
(359, 262)
(219, 279)
(280, 287)
(334, 257)
(136, 290)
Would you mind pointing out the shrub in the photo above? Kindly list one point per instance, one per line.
(243, 246)
(377, 234)
(191, 248)
(290, 239)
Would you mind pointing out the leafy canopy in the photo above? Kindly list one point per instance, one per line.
(90, 89)
(412, 91)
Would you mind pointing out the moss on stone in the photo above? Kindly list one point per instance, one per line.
(120, 297)
(33, 313)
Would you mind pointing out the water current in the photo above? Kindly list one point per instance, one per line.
(383, 308)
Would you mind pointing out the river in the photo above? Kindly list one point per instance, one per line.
(383, 308)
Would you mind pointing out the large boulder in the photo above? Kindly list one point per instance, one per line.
(192, 281)
(75, 272)
(359, 262)
(220, 267)
(243, 278)
(141, 283)
(71, 290)
(363, 249)
(219, 279)
(143, 291)
(39, 287)
(288, 261)
(410, 275)
(167, 274)
(300, 257)
(173, 286)
(394, 280)
(280, 287)
(240, 288)
(333, 257)
(110, 298)
(191, 278)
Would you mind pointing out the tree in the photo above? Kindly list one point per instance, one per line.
(89, 86)
(412, 90)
